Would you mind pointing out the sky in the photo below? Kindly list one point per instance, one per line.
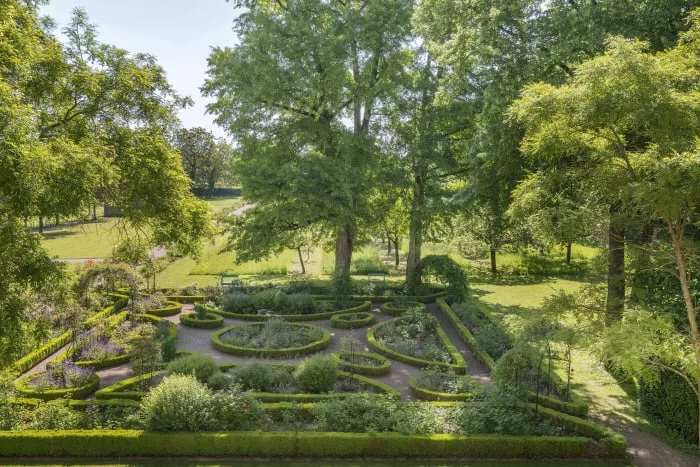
(179, 33)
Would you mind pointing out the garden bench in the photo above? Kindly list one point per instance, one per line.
(229, 280)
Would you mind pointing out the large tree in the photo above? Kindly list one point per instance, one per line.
(300, 93)
(78, 119)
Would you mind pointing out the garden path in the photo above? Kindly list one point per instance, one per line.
(198, 340)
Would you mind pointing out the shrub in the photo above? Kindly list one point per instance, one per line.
(179, 403)
(253, 375)
(270, 299)
(478, 418)
(317, 374)
(235, 410)
(447, 382)
(672, 403)
(238, 303)
(201, 366)
(53, 415)
(300, 304)
(363, 266)
(219, 381)
(493, 340)
(357, 414)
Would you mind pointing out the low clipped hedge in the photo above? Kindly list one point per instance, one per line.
(383, 367)
(172, 309)
(395, 308)
(364, 306)
(191, 299)
(134, 443)
(270, 353)
(459, 366)
(34, 357)
(23, 389)
(122, 390)
(388, 298)
(346, 320)
(430, 395)
(576, 406)
(211, 321)
(466, 336)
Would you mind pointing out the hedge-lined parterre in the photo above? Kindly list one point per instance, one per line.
(24, 388)
(255, 340)
(364, 363)
(209, 321)
(352, 320)
(398, 307)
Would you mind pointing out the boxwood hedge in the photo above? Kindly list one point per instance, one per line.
(210, 321)
(23, 389)
(459, 365)
(271, 353)
(382, 367)
(351, 320)
(397, 308)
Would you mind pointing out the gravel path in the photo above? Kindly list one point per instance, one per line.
(644, 450)
(198, 340)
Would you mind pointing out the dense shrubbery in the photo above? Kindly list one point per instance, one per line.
(274, 301)
(272, 335)
(256, 376)
(201, 367)
(446, 381)
(492, 338)
(671, 402)
(317, 374)
(182, 403)
(414, 334)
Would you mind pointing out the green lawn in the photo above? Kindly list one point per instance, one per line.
(86, 240)
(223, 203)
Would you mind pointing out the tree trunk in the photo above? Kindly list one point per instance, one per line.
(301, 261)
(57, 219)
(388, 246)
(568, 253)
(615, 303)
(415, 229)
(41, 224)
(676, 231)
(344, 246)
(94, 212)
(493, 260)
(396, 252)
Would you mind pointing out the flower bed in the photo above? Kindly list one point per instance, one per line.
(202, 321)
(399, 307)
(368, 364)
(157, 305)
(352, 320)
(436, 385)
(59, 381)
(275, 304)
(416, 338)
(272, 339)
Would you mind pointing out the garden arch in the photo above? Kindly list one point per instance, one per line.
(444, 268)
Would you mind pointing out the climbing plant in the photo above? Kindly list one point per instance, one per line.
(109, 274)
(444, 268)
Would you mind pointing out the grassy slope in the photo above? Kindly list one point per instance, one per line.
(87, 240)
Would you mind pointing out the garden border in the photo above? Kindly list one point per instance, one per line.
(366, 370)
(52, 394)
(339, 323)
(364, 306)
(428, 395)
(575, 407)
(270, 353)
(394, 311)
(460, 366)
(172, 309)
(211, 321)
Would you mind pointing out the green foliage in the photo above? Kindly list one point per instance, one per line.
(368, 364)
(317, 374)
(235, 410)
(179, 403)
(271, 339)
(239, 303)
(447, 382)
(200, 366)
(671, 402)
(352, 320)
(219, 381)
(253, 375)
(357, 414)
(503, 420)
(446, 269)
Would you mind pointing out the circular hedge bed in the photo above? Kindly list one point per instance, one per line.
(368, 364)
(352, 320)
(24, 388)
(271, 339)
(399, 307)
(210, 320)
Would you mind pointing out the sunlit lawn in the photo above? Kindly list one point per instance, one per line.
(222, 203)
(87, 240)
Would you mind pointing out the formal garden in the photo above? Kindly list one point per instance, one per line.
(434, 233)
